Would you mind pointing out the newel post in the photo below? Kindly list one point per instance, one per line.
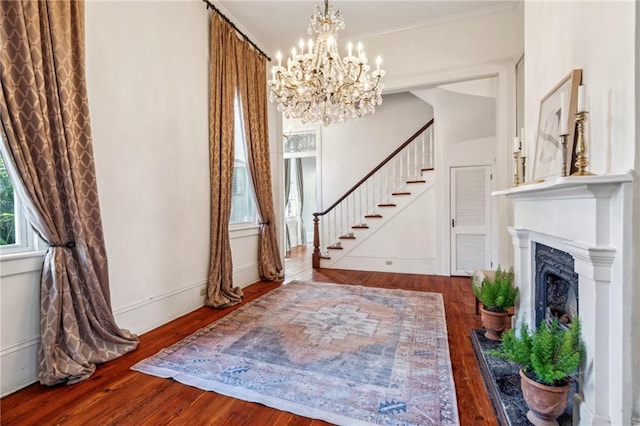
(316, 242)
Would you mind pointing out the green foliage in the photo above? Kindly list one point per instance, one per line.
(550, 355)
(7, 217)
(497, 294)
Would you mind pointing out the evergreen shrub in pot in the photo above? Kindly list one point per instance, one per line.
(550, 357)
(497, 295)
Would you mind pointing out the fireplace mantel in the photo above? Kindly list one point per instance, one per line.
(568, 186)
(588, 217)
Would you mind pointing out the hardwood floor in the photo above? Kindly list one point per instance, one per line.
(117, 395)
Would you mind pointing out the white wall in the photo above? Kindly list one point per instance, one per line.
(147, 76)
(448, 50)
(602, 39)
(350, 150)
(635, 231)
(598, 37)
(465, 135)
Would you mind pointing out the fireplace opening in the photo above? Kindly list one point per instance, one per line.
(556, 285)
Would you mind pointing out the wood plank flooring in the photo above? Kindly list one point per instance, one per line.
(115, 395)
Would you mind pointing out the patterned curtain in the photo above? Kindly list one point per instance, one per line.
(287, 192)
(47, 146)
(222, 88)
(300, 185)
(252, 85)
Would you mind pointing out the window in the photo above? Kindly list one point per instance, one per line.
(291, 210)
(16, 236)
(7, 208)
(243, 205)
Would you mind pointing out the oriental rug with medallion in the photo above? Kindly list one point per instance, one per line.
(345, 354)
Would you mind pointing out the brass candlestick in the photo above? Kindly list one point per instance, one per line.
(563, 140)
(516, 168)
(581, 161)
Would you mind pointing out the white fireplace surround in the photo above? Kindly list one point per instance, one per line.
(588, 217)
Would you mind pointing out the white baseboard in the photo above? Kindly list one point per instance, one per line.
(19, 366)
(19, 362)
(377, 263)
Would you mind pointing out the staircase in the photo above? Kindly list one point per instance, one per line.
(387, 190)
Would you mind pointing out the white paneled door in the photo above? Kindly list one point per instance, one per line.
(470, 219)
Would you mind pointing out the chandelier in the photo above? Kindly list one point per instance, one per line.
(317, 85)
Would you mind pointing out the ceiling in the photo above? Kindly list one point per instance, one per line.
(279, 25)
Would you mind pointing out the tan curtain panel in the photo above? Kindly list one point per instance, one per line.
(252, 85)
(47, 145)
(222, 89)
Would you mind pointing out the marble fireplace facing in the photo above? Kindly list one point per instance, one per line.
(572, 256)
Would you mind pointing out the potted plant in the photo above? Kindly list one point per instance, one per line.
(549, 357)
(496, 294)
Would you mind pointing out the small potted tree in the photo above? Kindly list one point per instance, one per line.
(497, 295)
(549, 357)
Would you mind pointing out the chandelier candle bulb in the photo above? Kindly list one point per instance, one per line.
(279, 57)
(349, 49)
(310, 44)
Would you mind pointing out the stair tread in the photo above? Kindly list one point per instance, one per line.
(360, 226)
(427, 169)
(347, 237)
(373, 216)
(325, 257)
(417, 181)
(401, 193)
(334, 248)
(386, 205)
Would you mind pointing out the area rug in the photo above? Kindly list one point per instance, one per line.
(344, 354)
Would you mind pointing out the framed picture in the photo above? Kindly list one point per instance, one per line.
(548, 159)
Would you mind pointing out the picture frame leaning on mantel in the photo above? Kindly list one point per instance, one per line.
(547, 160)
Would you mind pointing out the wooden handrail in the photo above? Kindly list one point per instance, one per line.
(375, 169)
(316, 216)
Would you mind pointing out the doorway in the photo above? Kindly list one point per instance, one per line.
(301, 171)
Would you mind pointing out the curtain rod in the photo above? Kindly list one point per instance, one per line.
(228, 21)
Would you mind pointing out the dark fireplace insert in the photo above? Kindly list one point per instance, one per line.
(556, 285)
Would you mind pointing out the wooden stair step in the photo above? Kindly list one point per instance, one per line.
(373, 216)
(334, 247)
(347, 237)
(325, 257)
(401, 193)
(417, 181)
(386, 205)
(427, 169)
(360, 227)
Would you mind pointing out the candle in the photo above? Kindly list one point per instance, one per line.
(581, 98)
(563, 113)
(279, 56)
(378, 62)
(516, 144)
(310, 44)
(349, 48)
(301, 46)
(359, 48)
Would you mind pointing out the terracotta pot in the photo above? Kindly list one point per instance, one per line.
(493, 323)
(545, 403)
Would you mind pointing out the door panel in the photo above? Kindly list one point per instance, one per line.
(470, 219)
